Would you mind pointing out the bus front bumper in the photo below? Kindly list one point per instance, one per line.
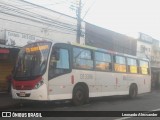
(35, 94)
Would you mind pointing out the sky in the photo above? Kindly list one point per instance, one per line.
(127, 17)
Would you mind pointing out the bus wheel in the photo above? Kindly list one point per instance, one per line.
(78, 95)
(133, 90)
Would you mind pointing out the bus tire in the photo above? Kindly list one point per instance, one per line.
(79, 95)
(133, 91)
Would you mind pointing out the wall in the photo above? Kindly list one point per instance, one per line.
(6, 66)
(23, 17)
(144, 51)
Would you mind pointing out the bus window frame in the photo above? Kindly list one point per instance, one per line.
(92, 57)
(139, 67)
(61, 46)
(114, 62)
(137, 61)
(110, 63)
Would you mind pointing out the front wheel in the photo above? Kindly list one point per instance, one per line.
(133, 91)
(79, 96)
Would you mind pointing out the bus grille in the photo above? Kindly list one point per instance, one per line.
(23, 87)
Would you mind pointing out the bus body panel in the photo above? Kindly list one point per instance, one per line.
(62, 86)
(106, 86)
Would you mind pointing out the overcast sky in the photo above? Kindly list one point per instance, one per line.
(124, 16)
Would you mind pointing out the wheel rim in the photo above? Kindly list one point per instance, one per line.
(79, 95)
(133, 92)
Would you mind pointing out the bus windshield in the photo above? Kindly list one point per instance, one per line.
(32, 61)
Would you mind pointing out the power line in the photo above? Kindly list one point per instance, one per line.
(78, 9)
(78, 22)
(89, 9)
(25, 14)
(42, 7)
(38, 6)
(43, 18)
(36, 26)
(33, 25)
(21, 4)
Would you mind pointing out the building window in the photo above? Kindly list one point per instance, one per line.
(142, 48)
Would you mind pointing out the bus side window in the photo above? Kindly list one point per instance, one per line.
(144, 67)
(119, 64)
(132, 65)
(59, 64)
(82, 58)
(103, 61)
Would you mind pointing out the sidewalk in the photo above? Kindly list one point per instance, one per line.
(6, 101)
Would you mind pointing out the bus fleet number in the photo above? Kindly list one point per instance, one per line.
(86, 76)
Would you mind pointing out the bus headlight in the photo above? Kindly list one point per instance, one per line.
(40, 83)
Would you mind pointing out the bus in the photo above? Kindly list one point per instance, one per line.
(48, 71)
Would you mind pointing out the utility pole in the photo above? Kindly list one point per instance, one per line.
(79, 22)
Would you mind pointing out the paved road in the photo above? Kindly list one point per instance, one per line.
(145, 102)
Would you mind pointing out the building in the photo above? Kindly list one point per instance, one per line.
(143, 47)
(22, 22)
(27, 22)
(107, 39)
(8, 56)
(148, 47)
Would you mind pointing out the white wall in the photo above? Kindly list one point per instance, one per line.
(148, 49)
(24, 18)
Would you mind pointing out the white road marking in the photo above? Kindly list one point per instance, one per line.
(156, 109)
(125, 118)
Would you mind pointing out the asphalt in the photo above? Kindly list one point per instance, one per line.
(6, 101)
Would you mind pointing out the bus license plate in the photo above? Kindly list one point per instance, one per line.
(22, 94)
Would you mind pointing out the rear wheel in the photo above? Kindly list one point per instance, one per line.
(79, 96)
(133, 91)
